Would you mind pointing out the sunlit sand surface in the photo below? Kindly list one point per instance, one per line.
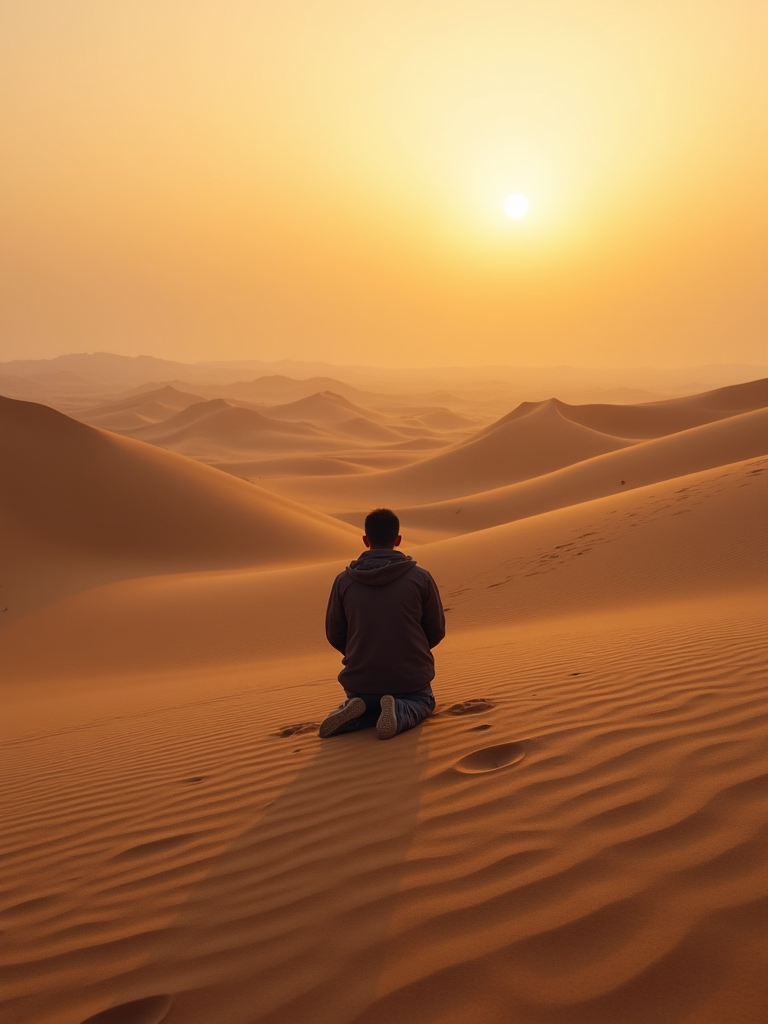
(577, 836)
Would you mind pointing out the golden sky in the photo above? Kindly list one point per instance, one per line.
(324, 179)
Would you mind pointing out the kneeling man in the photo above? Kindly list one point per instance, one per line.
(385, 616)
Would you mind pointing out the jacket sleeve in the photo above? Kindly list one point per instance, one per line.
(336, 620)
(433, 616)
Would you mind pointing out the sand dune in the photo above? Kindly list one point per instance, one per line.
(225, 425)
(210, 430)
(578, 835)
(139, 410)
(330, 408)
(679, 538)
(445, 419)
(526, 443)
(628, 549)
(23, 389)
(535, 439)
(323, 407)
(81, 506)
(689, 451)
(278, 389)
(339, 417)
(178, 845)
(655, 419)
(364, 429)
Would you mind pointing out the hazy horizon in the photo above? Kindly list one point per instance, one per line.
(325, 180)
(381, 365)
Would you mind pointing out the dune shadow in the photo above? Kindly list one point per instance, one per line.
(292, 916)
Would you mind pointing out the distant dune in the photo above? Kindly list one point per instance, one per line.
(360, 428)
(222, 431)
(278, 389)
(220, 424)
(341, 416)
(81, 506)
(527, 443)
(445, 419)
(655, 419)
(140, 410)
(533, 440)
(23, 389)
(322, 407)
(689, 451)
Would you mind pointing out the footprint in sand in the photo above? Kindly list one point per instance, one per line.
(474, 706)
(299, 729)
(141, 1011)
(491, 759)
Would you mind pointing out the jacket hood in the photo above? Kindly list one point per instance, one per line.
(379, 566)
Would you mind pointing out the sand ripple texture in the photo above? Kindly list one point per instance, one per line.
(603, 860)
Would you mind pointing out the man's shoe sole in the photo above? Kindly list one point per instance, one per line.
(386, 727)
(331, 725)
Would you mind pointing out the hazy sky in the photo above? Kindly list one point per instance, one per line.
(312, 179)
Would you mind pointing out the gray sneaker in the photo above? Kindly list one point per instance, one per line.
(386, 727)
(347, 713)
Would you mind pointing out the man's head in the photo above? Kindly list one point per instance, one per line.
(382, 529)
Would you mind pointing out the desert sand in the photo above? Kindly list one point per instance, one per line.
(578, 835)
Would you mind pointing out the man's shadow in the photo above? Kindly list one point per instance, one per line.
(292, 921)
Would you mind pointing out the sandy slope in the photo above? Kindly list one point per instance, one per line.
(693, 536)
(535, 439)
(577, 837)
(360, 428)
(329, 409)
(139, 410)
(323, 407)
(223, 430)
(654, 419)
(20, 388)
(179, 851)
(278, 389)
(289, 466)
(418, 444)
(528, 442)
(81, 506)
(714, 444)
(230, 426)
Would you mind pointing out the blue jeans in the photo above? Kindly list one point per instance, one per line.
(411, 709)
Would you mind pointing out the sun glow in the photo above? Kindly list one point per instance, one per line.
(516, 206)
(170, 206)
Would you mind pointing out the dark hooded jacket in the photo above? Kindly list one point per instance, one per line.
(384, 615)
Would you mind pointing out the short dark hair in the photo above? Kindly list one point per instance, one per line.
(382, 527)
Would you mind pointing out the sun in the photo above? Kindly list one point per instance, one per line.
(516, 206)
